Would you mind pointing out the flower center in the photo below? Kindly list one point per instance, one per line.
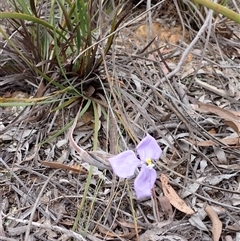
(149, 162)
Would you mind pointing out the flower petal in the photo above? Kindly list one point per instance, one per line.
(148, 148)
(124, 164)
(144, 182)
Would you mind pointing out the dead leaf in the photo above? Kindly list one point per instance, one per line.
(19, 95)
(163, 35)
(144, 30)
(111, 234)
(219, 210)
(216, 179)
(211, 88)
(2, 232)
(233, 125)
(230, 118)
(59, 208)
(196, 221)
(173, 197)
(17, 230)
(216, 223)
(235, 199)
(220, 154)
(130, 225)
(235, 167)
(228, 238)
(192, 187)
(237, 113)
(166, 206)
(212, 131)
(75, 168)
(47, 221)
(231, 141)
(234, 227)
(156, 235)
(225, 114)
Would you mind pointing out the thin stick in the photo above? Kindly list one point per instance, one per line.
(36, 205)
(69, 233)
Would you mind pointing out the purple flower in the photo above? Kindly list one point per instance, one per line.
(125, 164)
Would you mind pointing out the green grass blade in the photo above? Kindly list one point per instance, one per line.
(96, 125)
(29, 18)
(66, 127)
(220, 9)
(90, 172)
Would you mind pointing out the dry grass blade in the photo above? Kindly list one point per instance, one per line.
(27, 233)
(68, 232)
(99, 161)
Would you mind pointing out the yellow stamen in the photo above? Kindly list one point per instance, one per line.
(149, 161)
